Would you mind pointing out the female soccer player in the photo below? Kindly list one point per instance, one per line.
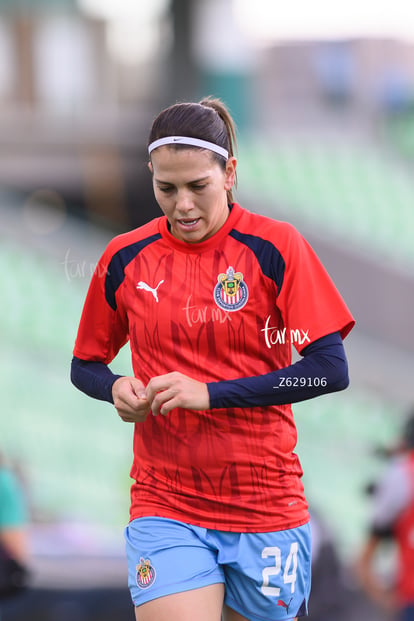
(211, 298)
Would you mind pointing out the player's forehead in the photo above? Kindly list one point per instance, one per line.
(172, 165)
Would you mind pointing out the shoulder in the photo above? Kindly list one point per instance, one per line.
(144, 233)
(9, 481)
(398, 469)
(12, 508)
(269, 229)
(7, 478)
(394, 485)
(267, 235)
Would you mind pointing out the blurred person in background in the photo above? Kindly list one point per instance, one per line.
(14, 547)
(211, 298)
(329, 597)
(393, 519)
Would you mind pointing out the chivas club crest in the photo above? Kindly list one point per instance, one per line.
(231, 292)
(145, 573)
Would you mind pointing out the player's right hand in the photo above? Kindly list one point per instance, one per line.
(130, 400)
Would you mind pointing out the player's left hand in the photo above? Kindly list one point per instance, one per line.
(175, 390)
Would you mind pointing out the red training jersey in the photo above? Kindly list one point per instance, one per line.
(229, 307)
(404, 532)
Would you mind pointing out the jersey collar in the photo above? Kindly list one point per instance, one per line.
(203, 246)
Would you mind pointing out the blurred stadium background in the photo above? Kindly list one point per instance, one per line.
(325, 113)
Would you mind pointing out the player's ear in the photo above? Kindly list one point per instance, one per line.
(230, 173)
(150, 168)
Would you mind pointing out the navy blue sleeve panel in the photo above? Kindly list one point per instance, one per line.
(270, 260)
(93, 378)
(323, 369)
(116, 268)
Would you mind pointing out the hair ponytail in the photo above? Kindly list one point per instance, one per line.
(224, 114)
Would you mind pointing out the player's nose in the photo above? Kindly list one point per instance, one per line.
(184, 202)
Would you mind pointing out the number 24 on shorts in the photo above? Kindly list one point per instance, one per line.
(289, 573)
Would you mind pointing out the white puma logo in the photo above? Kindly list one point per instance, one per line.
(143, 285)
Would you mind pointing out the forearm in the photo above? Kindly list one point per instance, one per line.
(93, 378)
(368, 579)
(322, 370)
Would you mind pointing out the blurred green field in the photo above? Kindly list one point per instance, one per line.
(357, 194)
(74, 451)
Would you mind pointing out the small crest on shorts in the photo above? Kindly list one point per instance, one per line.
(231, 292)
(145, 573)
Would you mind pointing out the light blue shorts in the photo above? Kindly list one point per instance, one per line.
(267, 576)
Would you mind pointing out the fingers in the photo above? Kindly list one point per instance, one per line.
(164, 402)
(130, 399)
(162, 394)
(173, 390)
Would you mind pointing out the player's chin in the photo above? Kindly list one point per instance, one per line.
(189, 231)
(195, 236)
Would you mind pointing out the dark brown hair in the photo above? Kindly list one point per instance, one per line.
(207, 120)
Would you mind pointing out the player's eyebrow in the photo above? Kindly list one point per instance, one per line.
(201, 179)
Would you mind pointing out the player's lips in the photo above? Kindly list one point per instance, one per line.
(189, 223)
